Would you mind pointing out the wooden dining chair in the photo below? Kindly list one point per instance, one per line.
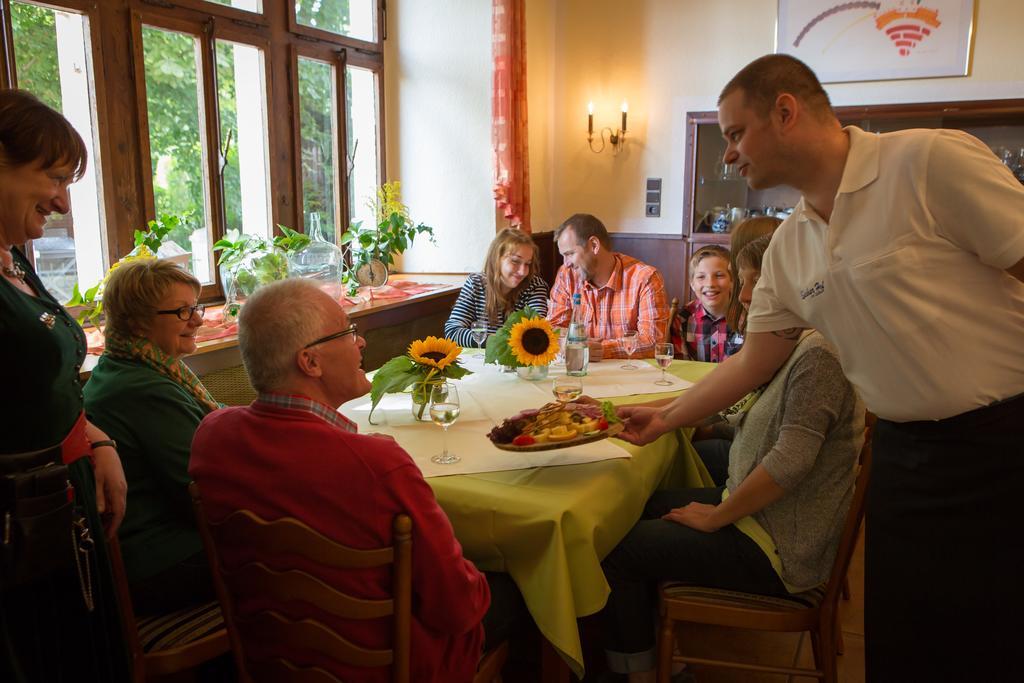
(816, 611)
(673, 310)
(288, 537)
(168, 643)
(869, 432)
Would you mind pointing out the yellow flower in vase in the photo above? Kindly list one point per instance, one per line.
(428, 364)
(434, 352)
(533, 341)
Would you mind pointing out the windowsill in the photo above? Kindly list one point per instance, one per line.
(372, 314)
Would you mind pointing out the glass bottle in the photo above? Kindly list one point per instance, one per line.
(577, 353)
(320, 261)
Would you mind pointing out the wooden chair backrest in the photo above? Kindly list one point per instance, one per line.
(169, 657)
(854, 517)
(124, 606)
(673, 310)
(290, 537)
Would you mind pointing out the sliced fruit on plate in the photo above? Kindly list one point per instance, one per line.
(562, 433)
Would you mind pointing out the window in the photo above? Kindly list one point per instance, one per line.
(248, 5)
(318, 121)
(363, 152)
(189, 115)
(353, 18)
(176, 142)
(52, 60)
(243, 160)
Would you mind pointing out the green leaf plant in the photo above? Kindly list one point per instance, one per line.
(90, 301)
(394, 232)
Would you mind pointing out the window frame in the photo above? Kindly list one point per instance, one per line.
(122, 125)
(366, 46)
(102, 133)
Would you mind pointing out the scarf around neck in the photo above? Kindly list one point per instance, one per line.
(149, 354)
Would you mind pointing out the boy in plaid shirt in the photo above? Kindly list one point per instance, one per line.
(708, 336)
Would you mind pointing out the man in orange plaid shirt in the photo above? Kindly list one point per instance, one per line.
(618, 293)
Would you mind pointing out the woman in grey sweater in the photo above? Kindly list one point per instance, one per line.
(774, 527)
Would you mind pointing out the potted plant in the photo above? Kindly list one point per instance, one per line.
(247, 262)
(88, 305)
(373, 247)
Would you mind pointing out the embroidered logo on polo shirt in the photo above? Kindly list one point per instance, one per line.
(812, 291)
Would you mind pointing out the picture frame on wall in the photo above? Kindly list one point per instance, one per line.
(876, 40)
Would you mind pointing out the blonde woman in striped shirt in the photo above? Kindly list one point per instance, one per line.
(508, 283)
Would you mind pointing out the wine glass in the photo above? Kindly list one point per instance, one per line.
(444, 410)
(663, 354)
(567, 388)
(629, 344)
(479, 332)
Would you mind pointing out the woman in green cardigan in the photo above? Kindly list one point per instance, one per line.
(147, 399)
(61, 623)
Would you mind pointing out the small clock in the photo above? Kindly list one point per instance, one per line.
(373, 274)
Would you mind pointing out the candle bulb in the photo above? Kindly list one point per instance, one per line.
(590, 118)
(625, 108)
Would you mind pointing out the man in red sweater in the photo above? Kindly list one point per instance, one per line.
(290, 453)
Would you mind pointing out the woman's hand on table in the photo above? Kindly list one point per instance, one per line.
(699, 516)
(644, 424)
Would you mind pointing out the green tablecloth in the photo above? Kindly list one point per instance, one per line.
(550, 527)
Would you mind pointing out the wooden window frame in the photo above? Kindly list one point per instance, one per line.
(323, 35)
(122, 117)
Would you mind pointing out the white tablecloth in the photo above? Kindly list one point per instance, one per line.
(488, 396)
(608, 378)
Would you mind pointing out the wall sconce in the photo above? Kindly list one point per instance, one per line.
(617, 137)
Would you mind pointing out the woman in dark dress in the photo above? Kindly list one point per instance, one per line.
(60, 624)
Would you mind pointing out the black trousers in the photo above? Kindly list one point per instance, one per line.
(658, 550)
(944, 554)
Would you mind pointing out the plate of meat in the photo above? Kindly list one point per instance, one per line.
(556, 425)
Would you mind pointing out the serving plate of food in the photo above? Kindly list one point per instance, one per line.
(556, 425)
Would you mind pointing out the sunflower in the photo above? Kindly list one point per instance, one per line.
(434, 352)
(533, 342)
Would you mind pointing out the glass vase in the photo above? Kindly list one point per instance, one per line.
(534, 373)
(420, 396)
(420, 407)
(320, 261)
(258, 268)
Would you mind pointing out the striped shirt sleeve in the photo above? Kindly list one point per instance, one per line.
(535, 296)
(470, 306)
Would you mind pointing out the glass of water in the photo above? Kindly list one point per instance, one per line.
(663, 354)
(479, 332)
(567, 388)
(629, 344)
(444, 411)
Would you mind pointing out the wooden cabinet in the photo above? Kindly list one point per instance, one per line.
(709, 184)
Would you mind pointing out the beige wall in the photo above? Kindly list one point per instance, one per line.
(667, 57)
(437, 91)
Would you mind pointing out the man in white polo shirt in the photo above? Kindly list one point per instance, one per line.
(906, 252)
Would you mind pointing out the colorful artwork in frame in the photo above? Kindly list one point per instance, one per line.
(873, 40)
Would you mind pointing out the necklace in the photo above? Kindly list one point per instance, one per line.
(14, 270)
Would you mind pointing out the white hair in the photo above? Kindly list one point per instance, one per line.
(276, 321)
